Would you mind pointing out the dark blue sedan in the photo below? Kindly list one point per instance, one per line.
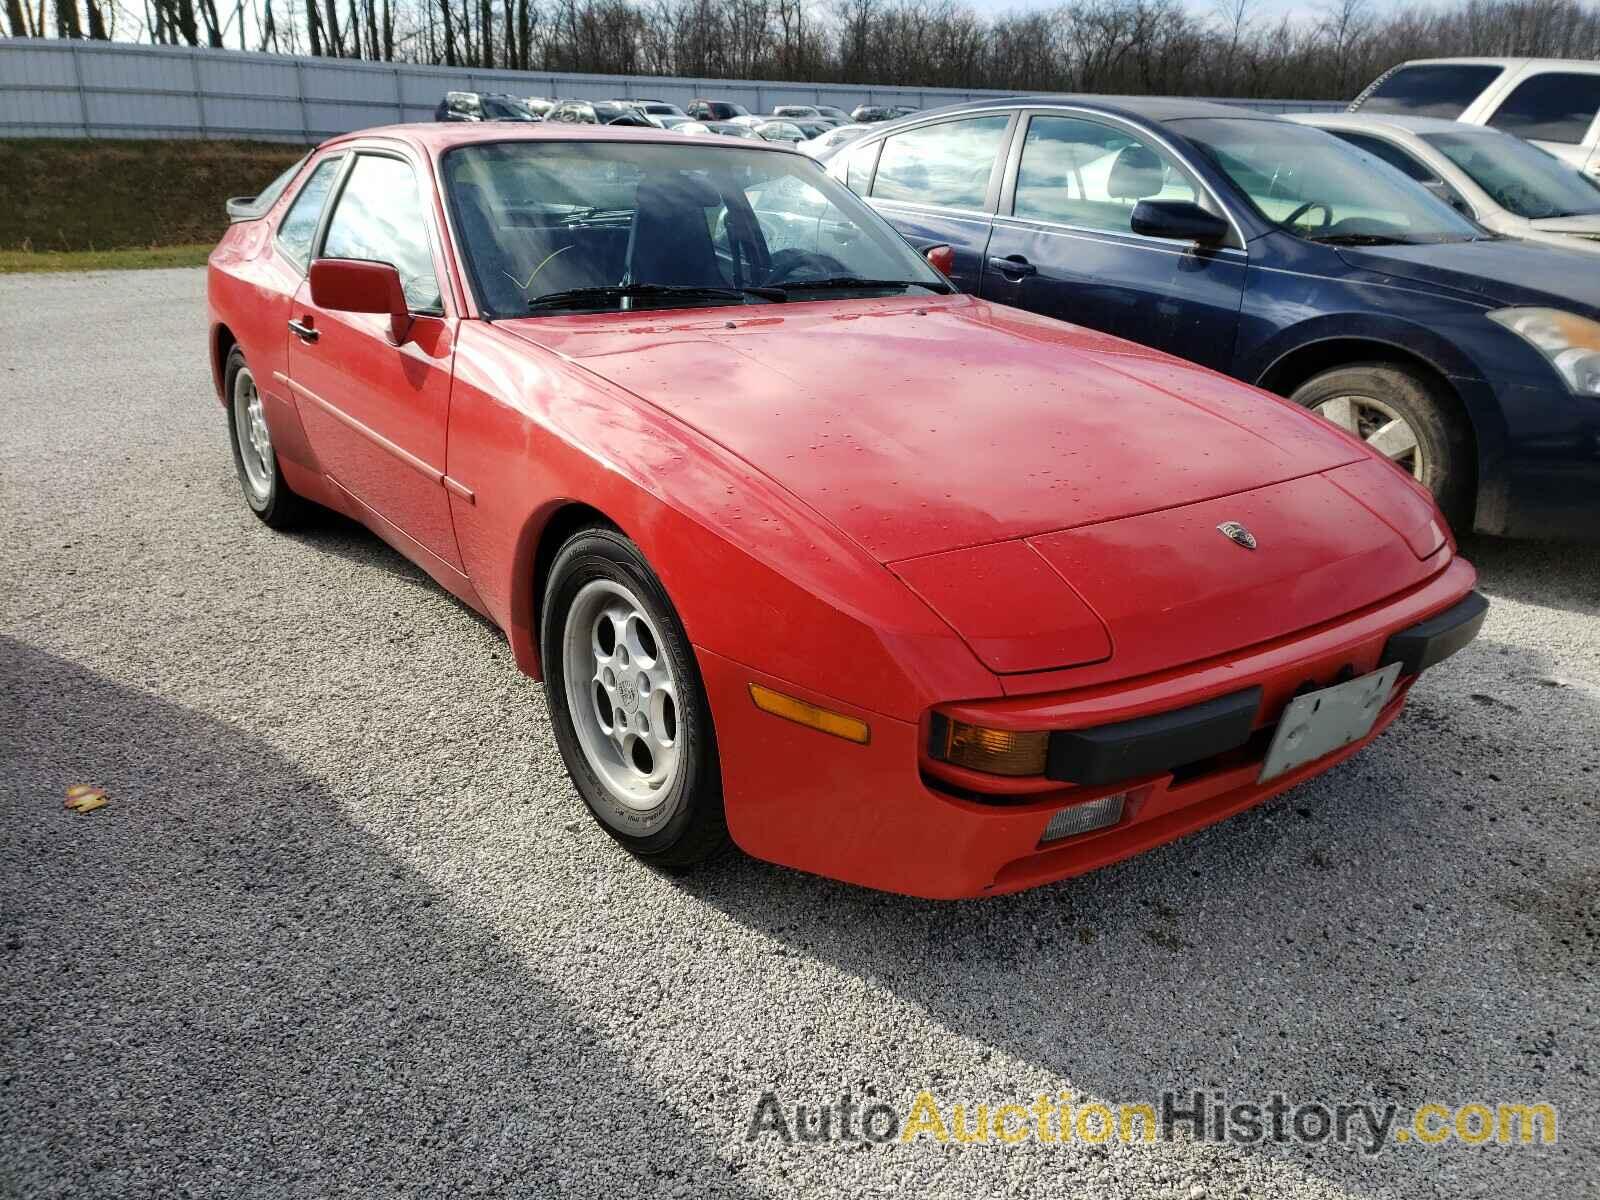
(1284, 257)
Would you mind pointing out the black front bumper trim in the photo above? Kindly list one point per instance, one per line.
(1432, 641)
(1150, 745)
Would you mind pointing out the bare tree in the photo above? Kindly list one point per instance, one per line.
(314, 26)
(1346, 24)
(67, 19)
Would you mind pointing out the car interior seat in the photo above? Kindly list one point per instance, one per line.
(1137, 173)
(670, 239)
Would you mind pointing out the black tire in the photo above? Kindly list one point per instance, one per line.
(696, 829)
(1441, 432)
(278, 506)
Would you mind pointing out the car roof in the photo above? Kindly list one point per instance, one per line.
(1149, 108)
(1582, 65)
(1362, 119)
(437, 137)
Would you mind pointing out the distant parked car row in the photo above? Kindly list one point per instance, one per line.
(797, 124)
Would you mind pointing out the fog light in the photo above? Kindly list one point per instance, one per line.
(800, 712)
(993, 751)
(1082, 818)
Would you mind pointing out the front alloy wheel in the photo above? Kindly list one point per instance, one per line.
(623, 697)
(629, 709)
(1380, 427)
(1408, 417)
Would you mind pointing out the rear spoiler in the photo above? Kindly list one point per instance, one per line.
(252, 208)
(243, 208)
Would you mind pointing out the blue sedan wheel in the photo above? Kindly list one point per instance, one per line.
(1408, 418)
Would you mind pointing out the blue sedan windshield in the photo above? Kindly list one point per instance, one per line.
(1320, 188)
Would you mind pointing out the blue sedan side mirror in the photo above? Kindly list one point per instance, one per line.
(1180, 219)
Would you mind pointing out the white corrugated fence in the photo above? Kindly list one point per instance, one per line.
(58, 88)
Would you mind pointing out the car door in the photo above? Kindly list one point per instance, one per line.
(376, 413)
(1063, 243)
(938, 183)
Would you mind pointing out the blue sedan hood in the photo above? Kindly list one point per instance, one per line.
(1498, 272)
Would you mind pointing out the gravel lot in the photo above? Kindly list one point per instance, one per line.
(345, 928)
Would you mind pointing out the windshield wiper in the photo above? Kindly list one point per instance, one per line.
(856, 282)
(636, 291)
(1362, 239)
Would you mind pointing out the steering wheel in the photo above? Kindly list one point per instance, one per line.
(1327, 213)
(787, 263)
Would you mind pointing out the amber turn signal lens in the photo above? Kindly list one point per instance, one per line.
(802, 713)
(995, 751)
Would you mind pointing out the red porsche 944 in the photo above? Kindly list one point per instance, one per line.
(814, 554)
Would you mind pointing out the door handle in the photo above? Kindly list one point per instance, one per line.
(303, 330)
(1013, 264)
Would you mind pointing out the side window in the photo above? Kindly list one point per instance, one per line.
(1091, 175)
(378, 218)
(1391, 154)
(946, 164)
(1553, 106)
(299, 224)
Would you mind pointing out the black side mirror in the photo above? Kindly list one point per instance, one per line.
(1183, 220)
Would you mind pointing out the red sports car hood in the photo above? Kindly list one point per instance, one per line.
(921, 425)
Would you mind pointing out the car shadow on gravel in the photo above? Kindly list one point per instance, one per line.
(202, 996)
(1413, 926)
(327, 532)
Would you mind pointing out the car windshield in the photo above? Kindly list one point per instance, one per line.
(1519, 177)
(600, 226)
(1321, 188)
(503, 108)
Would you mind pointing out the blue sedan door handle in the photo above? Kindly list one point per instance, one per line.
(1013, 264)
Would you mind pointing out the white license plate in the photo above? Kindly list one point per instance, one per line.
(1320, 722)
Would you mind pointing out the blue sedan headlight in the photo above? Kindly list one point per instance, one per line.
(1571, 343)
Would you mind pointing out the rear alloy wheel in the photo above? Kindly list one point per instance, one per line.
(1398, 412)
(269, 497)
(629, 709)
